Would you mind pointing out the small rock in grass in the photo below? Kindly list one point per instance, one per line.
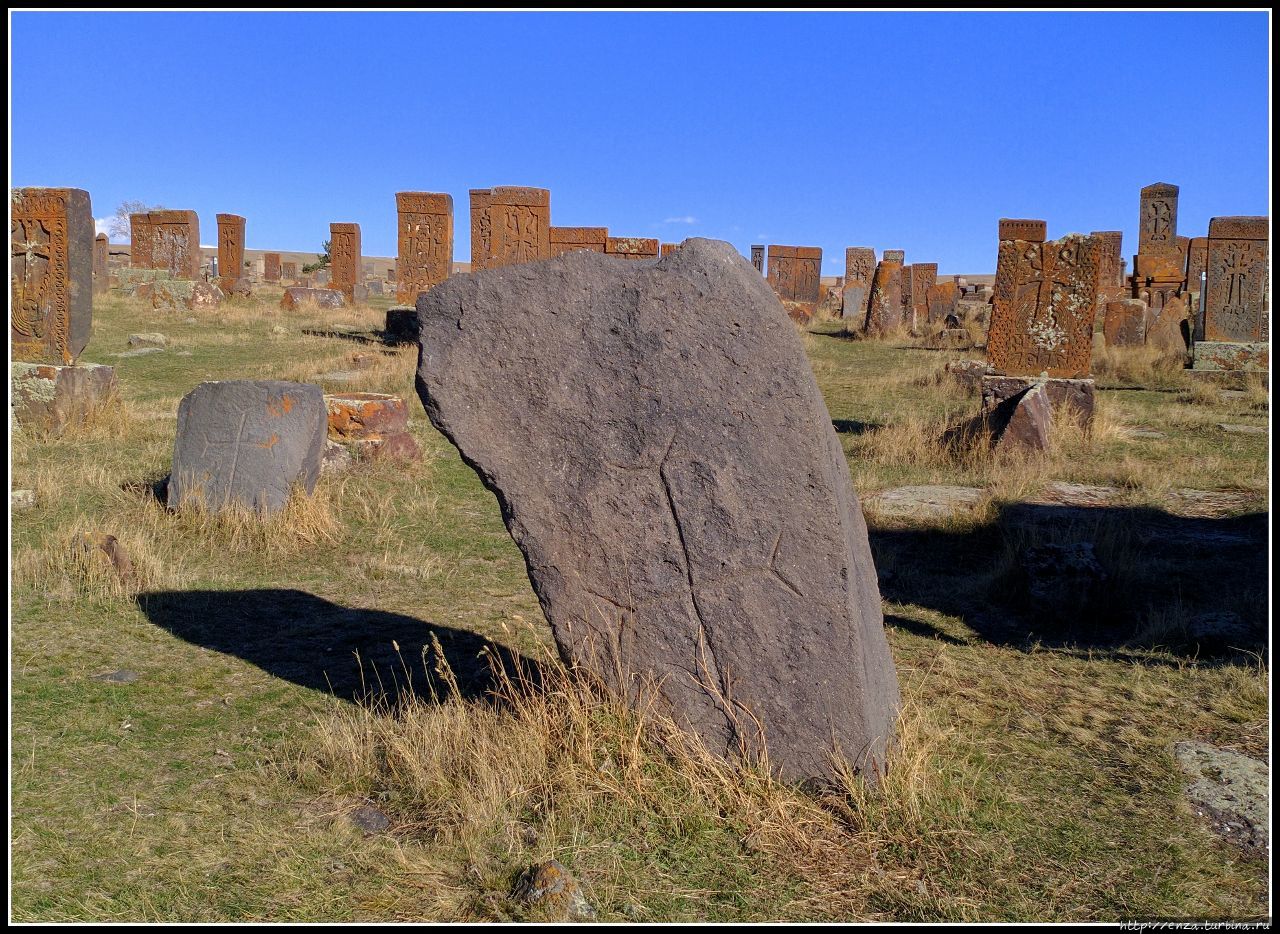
(552, 890)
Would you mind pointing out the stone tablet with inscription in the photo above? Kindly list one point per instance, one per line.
(101, 251)
(1197, 261)
(344, 253)
(1043, 309)
(519, 224)
(568, 239)
(1111, 259)
(271, 267)
(664, 459)
(859, 270)
(175, 243)
(51, 274)
(1236, 307)
(425, 242)
(247, 443)
(140, 241)
(894, 256)
(795, 274)
(757, 257)
(636, 248)
(1158, 219)
(231, 254)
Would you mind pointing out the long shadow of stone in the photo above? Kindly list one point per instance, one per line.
(359, 337)
(1161, 570)
(849, 426)
(358, 655)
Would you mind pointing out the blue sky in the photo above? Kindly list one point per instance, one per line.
(893, 130)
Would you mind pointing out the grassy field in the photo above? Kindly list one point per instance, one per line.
(289, 672)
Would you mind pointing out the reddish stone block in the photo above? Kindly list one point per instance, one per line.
(175, 243)
(1125, 323)
(895, 256)
(344, 265)
(1033, 231)
(51, 274)
(425, 242)
(365, 415)
(1158, 219)
(289, 271)
(519, 226)
(571, 239)
(1111, 258)
(884, 307)
(271, 267)
(1197, 262)
(231, 254)
(632, 247)
(668, 248)
(795, 274)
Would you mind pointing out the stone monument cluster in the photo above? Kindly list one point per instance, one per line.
(654, 388)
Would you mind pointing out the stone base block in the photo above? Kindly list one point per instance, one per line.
(240, 288)
(51, 398)
(1225, 355)
(402, 326)
(1075, 395)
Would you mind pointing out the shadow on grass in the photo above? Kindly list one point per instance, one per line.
(849, 426)
(351, 653)
(360, 337)
(1190, 586)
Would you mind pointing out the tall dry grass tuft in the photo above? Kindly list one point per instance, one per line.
(557, 753)
(1140, 365)
(108, 419)
(305, 521)
(70, 565)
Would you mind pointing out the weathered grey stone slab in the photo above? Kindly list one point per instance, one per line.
(323, 298)
(53, 398)
(925, 501)
(247, 442)
(1232, 791)
(665, 461)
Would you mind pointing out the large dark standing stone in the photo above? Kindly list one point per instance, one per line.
(247, 442)
(665, 461)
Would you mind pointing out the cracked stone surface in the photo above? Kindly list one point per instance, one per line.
(664, 459)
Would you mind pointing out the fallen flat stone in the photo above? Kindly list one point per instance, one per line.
(1242, 429)
(119, 676)
(1231, 791)
(139, 352)
(148, 339)
(924, 501)
(1058, 492)
(321, 298)
(21, 499)
(365, 415)
(1143, 433)
(339, 376)
(247, 442)
(369, 819)
(1213, 503)
(664, 459)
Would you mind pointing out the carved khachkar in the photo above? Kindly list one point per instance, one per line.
(1110, 257)
(668, 248)
(632, 247)
(1236, 304)
(344, 259)
(859, 269)
(509, 225)
(906, 312)
(101, 249)
(1012, 228)
(140, 241)
(174, 243)
(924, 276)
(271, 267)
(424, 242)
(481, 228)
(757, 257)
(289, 271)
(795, 274)
(230, 252)
(1158, 219)
(51, 273)
(571, 239)
(1043, 307)
(894, 256)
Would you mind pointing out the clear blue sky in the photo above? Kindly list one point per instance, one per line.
(893, 130)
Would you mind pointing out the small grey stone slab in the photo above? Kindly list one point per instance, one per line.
(340, 376)
(148, 339)
(1229, 789)
(120, 676)
(931, 501)
(1242, 429)
(1144, 433)
(369, 819)
(139, 352)
(22, 499)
